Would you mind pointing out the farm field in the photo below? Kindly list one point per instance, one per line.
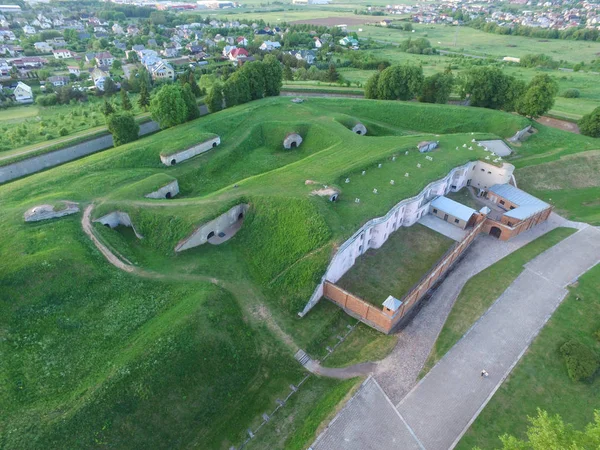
(397, 266)
(540, 379)
(471, 41)
(96, 356)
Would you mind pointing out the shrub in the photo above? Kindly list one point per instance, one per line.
(571, 93)
(582, 362)
(597, 335)
(589, 124)
(63, 131)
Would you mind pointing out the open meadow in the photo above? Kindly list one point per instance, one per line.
(191, 348)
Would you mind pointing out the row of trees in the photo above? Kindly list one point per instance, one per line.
(486, 87)
(578, 34)
(254, 80)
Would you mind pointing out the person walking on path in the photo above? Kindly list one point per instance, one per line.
(484, 373)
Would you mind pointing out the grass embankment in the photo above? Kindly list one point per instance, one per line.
(483, 289)
(397, 266)
(571, 183)
(540, 379)
(81, 338)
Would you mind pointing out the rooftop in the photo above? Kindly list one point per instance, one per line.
(528, 204)
(453, 208)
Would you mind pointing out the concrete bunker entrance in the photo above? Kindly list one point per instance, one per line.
(173, 162)
(210, 235)
(168, 195)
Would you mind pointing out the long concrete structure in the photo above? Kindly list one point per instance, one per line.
(406, 213)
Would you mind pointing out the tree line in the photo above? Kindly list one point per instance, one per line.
(253, 81)
(486, 87)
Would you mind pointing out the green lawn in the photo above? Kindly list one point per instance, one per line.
(483, 289)
(471, 41)
(397, 266)
(540, 379)
(93, 357)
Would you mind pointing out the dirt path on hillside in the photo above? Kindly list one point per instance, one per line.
(564, 125)
(241, 290)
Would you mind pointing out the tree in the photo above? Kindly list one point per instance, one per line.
(288, 75)
(550, 432)
(489, 87)
(144, 100)
(254, 72)
(332, 74)
(190, 103)
(123, 128)
(168, 106)
(214, 99)
(437, 88)
(400, 82)
(125, 102)
(539, 97)
(590, 123)
(109, 86)
(117, 65)
(107, 108)
(273, 74)
(372, 86)
(191, 80)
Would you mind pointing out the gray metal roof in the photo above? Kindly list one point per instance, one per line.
(528, 204)
(453, 208)
(392, 303)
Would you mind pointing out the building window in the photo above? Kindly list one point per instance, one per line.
(483, 170)
(489, 173)
(512, 207)
(434, 211)
(456, 220)
(509, 224)
(502, 202)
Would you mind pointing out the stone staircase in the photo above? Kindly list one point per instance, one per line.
(302, 357)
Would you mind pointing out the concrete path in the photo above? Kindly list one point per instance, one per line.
(398, 372)
(368, 421)
(441, 226)
(438, 410)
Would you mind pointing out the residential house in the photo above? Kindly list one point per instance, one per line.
(23, 93)
(349, 41)
(241, 41)
(58, 81)
(62, 53)
(318, 43)
(170, 51)
(238, 53)
(270, 45)
(90, 57)
(227, 49)
(43, 47)
(98, 77)
(385, 23)
(28, 29)
(104, 59)
(161, 70)
(75, 70)
(120, 45)
(132, 30)
(7, 35)
(194, 48)
(118, 29)
(304, 55)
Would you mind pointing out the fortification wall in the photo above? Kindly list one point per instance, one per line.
(375, 232)
(486, 175)
(167, 191)
(55, 158)
(175, 158)
(201, 234)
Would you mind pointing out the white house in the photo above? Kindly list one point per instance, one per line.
(58, 81)
(162, 70)
(75, 70)
(62, 53)
(117, 29)
(43, 47)
(23, 93)
(28, 29)
(270, 45)
(104, 59)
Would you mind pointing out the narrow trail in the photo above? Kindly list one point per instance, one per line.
(241, 289)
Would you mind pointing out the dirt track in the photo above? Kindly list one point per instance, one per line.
(560, 124)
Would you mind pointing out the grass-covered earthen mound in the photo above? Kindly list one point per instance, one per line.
(93, 356)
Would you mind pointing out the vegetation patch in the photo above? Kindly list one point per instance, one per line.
(582, 362)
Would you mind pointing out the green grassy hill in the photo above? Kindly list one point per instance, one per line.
(193, 352)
